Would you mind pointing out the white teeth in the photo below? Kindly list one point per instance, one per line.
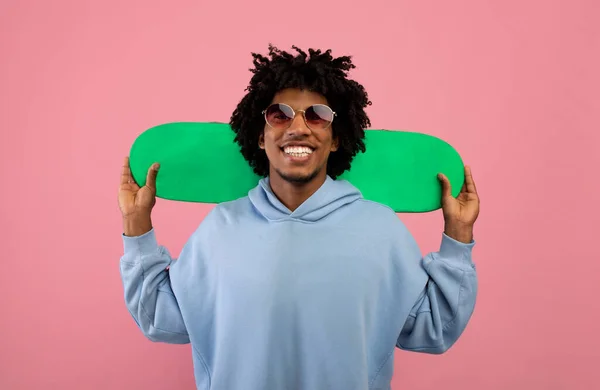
(298, 151)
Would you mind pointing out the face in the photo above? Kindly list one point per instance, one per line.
(299, 152)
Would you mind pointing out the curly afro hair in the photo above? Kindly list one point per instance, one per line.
(316, 71)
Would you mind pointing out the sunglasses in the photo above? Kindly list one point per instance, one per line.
(317, 117)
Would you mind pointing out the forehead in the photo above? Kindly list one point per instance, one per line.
(299, 99)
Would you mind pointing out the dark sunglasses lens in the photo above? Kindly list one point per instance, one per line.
(279, 115)
(319, 116)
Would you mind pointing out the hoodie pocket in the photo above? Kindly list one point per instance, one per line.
(383, 378)
(201, 373)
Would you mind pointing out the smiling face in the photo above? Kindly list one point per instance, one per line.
(299, 153)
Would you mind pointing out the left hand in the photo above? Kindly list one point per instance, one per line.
(461, 212)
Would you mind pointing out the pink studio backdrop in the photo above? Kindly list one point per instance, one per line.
(512, 84)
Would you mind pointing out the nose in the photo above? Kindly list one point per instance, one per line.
(298, 126)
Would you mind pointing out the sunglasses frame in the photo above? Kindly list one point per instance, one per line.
(264, 112)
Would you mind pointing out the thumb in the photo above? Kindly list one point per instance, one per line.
(151, 176)
(446, 187)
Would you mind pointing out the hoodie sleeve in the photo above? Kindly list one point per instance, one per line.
(445, 305)
(147, 286)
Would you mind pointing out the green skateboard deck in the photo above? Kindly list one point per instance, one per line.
(201, 163)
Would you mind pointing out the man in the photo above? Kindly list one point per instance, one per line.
(302, 284)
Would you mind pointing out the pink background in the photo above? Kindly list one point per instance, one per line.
(512, 84)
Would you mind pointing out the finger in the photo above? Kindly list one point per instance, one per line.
(464, 187)
(126, 172)
(469, 182)
(446, 186)
(151, 177)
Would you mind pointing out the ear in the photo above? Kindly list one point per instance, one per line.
(261, 141)
(335, 144)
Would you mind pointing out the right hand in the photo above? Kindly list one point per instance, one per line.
(136, 202)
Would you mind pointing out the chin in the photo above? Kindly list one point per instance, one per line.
(298, 177)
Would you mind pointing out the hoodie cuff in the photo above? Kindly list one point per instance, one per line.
(455, 252)
(145, 243)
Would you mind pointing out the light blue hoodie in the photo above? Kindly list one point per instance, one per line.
(318, 298)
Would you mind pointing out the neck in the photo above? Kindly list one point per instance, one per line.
(293, 194)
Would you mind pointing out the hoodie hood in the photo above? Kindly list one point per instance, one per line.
(332, 195)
